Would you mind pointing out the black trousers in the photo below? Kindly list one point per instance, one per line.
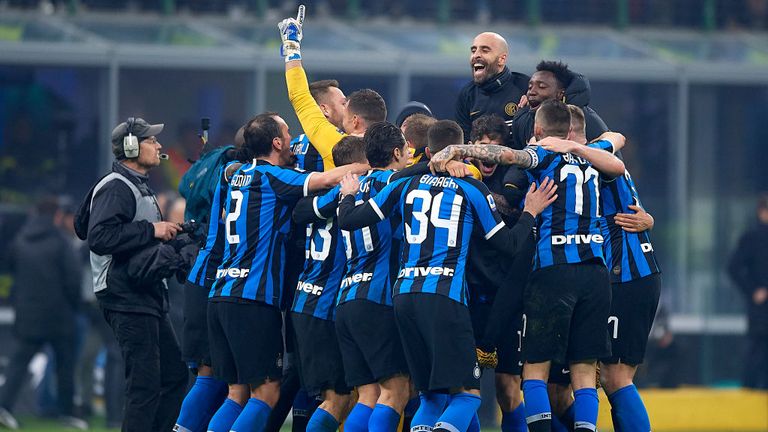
(155, 375)
(756, 364)
(64, 350)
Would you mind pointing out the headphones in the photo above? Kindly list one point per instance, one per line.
(130, 141)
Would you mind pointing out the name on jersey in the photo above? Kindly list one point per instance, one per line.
(232, 272)
(445, 182)
(241, 180)
(425, 271)
(571, 159)
(309, 288)
(577, 239)
(646, 247)
(356, 278)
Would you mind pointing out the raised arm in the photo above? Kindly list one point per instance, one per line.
(603, 161)
(329, 179)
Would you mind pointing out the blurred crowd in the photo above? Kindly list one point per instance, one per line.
(721, 14)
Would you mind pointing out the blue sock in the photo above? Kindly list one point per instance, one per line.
(474, 424)
(514, 421)
(558, 426)
(585, 409)
(383, 419)
(357, 420)
(431, 405)
(203, 399)
(225, 417)
(254, 416)
(538, 413)
(629, 414)
(322, 421)
(458, 414)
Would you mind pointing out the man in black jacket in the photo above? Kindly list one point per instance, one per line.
(46, 294)
(124, 227)
(494, 89)
(553, 80)
(748, 267)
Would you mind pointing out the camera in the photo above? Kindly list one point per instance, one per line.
(189, 227)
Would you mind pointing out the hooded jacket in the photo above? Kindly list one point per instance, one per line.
(127, 261)
(47, 277)
(577, 93)
(498, 95)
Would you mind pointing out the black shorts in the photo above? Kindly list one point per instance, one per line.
(320, 364)
(194, 335)
(369, 342)
(509, 339)
(246, 342)
(633, 307)
(566, 308)
(438, 341)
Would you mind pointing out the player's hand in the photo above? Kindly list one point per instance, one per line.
(634, 222)
(558, 145)
(539, 198)
(349, 184)
(291, 34)
(523, 102)
(760, 295)
(487, 360)
(457, 169)
(166, 230)
(439, 161)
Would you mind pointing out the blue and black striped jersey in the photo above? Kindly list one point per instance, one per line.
(569, 229)
(629, 255)
(203, 272)
(372, 252)
(307, 157)
(258, 207)
(325, 263)
(439, 216)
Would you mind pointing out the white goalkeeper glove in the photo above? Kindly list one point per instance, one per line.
(291, 34)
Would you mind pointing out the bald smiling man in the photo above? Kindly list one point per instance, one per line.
(494, 89)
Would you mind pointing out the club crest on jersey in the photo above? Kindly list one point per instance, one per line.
(510, 109)
(576, 239)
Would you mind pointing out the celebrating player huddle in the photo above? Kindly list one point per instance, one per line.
(414, 274)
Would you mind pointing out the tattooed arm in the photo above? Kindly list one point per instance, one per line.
(487, 153)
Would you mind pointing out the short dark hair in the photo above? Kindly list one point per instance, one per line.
(578, 121)
(368, 105)
(560, 70)
(349, 149)
(319, 89)
(491, 125)
(415, 128)
(257, 136)
(554, 118)
(381, 140)
(444, 133)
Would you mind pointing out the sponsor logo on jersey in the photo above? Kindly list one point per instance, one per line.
(445, 182)
(309, 288)
(646, 247)
(232, 272)
(241, 180)
(356, 278)
(425, 271)
(576, 239)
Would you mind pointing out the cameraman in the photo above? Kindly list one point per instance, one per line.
(125, 230)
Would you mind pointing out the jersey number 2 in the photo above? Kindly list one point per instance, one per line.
(236, 199)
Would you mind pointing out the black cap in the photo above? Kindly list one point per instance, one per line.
(138, 128)
(411, 108)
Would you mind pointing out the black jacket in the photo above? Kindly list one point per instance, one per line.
(577, 93)
(110, 230)
(499, 95)
(47, 277)
(748, 267)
